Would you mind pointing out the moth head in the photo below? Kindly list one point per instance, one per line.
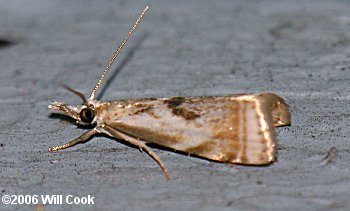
(84, 114)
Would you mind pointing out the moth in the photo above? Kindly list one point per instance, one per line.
(237, 128)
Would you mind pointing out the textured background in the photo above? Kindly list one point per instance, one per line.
(298, 49)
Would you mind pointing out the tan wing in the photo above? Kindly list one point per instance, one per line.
(234, 128)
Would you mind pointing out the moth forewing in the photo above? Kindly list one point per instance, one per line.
(233, 128)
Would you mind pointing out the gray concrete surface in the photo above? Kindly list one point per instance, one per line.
(298, 49)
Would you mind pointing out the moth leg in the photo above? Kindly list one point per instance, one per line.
(81, 138)
(113, 132)
(140, 148)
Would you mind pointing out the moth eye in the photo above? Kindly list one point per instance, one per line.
(87, 115)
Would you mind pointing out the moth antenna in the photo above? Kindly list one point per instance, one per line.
(81, 95)
(104, 73)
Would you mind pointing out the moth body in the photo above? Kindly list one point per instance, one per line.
(236, 128)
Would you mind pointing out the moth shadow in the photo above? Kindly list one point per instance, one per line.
(168, 149)
(5, 43)
(122, 64)
(64, 118)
